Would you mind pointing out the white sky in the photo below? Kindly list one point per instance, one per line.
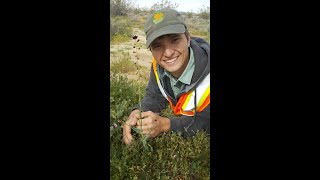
(184, 5)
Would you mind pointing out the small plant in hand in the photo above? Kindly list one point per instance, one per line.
(143, 137)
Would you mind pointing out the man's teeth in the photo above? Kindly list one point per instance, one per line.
(171, 60)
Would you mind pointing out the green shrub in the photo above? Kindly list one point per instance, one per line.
(204, 12)
(189, 14)
(122, 64)
(117, 39)
(196, 32)
(120, 29)
(123, 96)
(167, 112)
(163, 4)
(171, 156)
(120, 7)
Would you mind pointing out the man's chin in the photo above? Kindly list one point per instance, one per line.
(170, 69)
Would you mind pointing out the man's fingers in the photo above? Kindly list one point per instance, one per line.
(137, 116)
(127, 129)
(145, 127)
(127, 137)
(145, 121)
(133, 121)
(134, 116)
(144, 114)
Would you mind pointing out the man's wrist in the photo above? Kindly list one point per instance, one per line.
(165, 124)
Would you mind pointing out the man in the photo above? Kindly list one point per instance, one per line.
(180, 76)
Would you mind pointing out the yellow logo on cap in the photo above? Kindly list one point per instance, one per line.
(158, 17)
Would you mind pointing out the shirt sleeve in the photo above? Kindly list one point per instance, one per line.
(188, 126)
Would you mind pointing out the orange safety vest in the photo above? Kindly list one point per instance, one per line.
(185, 105)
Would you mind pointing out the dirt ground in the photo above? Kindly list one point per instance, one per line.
(140, 51)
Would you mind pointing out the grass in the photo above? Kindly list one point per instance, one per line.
(138, 21)
(123, 96)
(117, 39)
(120, 29)
(171, 156)
(122, 64)
(203, 34)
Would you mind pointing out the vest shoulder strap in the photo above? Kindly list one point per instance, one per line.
(185, 105)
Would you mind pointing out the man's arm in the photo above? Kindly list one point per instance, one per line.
(183, 123)
(153, 124)
(153, 102)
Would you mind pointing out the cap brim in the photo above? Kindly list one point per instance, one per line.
(171, 29)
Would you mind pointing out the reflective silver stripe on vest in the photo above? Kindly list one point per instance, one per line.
(201, 89)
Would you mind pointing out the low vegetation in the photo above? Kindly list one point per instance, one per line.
(122, 64)
(169, 156)
(120, 29)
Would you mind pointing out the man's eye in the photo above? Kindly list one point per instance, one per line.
(155, 46)
(175, 39)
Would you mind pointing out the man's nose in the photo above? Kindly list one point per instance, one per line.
(168, 52)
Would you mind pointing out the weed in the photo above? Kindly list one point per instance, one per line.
(120, 29)
(173, 156)
(204, 12)
(167, 112)
(117, 39)
(122, 64)
(189, 14)
(143, 137)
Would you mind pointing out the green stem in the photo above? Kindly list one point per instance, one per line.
(140, 119)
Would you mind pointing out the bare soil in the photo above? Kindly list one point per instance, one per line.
(140, 51)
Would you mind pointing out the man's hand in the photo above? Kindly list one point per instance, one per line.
(131, 121)
(152, 124)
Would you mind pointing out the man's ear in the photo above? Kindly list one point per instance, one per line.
(188, 38)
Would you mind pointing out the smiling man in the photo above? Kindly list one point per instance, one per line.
(180, 76)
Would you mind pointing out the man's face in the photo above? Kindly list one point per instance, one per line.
(171, 52)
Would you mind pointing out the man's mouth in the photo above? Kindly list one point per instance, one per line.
(170, 61)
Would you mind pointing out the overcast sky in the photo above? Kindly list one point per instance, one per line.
(184, 5)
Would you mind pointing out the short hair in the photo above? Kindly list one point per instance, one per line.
(185, 33)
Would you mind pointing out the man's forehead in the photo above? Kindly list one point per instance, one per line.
(166, 36)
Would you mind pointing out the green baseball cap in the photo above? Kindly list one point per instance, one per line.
(163, 21)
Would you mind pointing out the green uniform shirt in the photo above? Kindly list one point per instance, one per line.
(177, 85)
